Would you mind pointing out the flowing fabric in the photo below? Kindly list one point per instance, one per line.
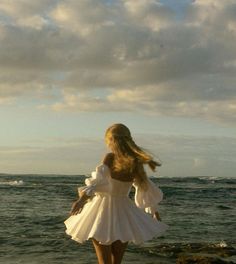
(111, 215)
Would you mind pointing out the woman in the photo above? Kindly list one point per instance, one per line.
(105, 213)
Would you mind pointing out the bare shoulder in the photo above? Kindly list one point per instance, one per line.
(108, 159)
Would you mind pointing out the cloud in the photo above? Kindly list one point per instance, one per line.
(6, 101)
(146, 101)
(27, 13)
(83, 17)
(137, 53)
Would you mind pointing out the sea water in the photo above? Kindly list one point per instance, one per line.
(199, 210)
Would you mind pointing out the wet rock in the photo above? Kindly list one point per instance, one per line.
(186, 253)
(201, 259)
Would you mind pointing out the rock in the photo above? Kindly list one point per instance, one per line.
(201, 259)
(191, 253)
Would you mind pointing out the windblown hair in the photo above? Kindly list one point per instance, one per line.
(129, 157)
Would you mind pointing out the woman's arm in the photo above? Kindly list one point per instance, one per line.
(149, 199)
(98, 182)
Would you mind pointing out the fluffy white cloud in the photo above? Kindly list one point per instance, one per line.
(149, 13)
(138, 53)
(83, 17)
(26, 13)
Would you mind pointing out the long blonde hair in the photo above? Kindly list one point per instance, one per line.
(129, 156)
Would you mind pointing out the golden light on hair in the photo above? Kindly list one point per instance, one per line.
(129, 157)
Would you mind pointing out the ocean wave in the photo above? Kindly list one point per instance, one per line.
(201, 179)
(12, 183)
(216, 178)
(224, 207)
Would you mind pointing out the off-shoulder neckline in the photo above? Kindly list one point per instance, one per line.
(121, 181)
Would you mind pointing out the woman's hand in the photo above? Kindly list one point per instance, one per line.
(81, 192)
(77, 207)
(157, 216)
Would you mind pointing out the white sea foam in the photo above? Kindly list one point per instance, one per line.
(13, 183)
(222, 244)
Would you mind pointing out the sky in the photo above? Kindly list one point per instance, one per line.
(166, 69)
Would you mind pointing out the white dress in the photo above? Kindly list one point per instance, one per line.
(111, 215)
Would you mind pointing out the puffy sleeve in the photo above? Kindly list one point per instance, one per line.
(148, 199)
(98, 182)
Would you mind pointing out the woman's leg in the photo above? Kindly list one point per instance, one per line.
(103, 252)
(117, 251)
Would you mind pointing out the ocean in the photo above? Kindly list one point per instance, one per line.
(201, 213)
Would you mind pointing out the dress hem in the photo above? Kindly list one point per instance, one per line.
(113, 240)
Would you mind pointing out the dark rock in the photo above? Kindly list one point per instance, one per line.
(191, 253)
(201, 259)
